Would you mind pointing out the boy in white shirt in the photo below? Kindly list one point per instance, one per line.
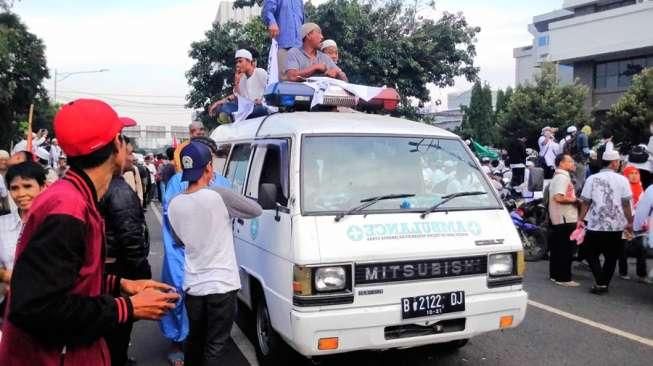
(201, 220)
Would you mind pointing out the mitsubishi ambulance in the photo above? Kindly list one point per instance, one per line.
(377, 232)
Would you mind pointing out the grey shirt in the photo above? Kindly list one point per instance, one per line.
(298, 59)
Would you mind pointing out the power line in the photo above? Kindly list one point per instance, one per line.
(123, 95)
(132, 103)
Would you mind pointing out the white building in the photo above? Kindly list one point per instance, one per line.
(603, 43)
(227, 13)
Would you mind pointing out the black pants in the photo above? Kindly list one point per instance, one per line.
(608, 243)
(517, 176)
(562, 251)
(634, 248)
(549, 171)
(210, 319)
(118, 343)
(119, 338)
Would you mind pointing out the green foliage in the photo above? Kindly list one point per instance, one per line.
(478, 120)
(543, 103)
(630, 117)
(22, 69)
(381, 43)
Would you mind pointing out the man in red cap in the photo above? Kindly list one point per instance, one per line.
(61, 304)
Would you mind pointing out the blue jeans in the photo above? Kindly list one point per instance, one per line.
(232, 107)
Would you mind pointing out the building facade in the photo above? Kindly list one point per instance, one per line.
(227, 13)
(603, 42)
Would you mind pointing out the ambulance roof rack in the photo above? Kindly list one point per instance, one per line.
(295, 96)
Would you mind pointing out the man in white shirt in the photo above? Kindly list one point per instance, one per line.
(250, 83)
(549, 149)
(606, 208)
(55, 153)
(200, 219)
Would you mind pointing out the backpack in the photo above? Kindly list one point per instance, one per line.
(535, 179)
(545, 201)
(571, 147)
(638, 155)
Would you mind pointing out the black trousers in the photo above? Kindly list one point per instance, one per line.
(118, 343)
(118, 339)
(210, 320)
(608, 243)
(634, 248)
(562, 251)
(549, 171)
(517, 176)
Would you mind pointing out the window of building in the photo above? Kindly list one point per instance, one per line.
(543, 41)
(619, 74)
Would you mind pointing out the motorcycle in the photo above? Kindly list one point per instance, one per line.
(528, 219)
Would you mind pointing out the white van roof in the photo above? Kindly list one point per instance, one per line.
(299, 123)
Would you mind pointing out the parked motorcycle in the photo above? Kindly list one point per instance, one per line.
(529, 218)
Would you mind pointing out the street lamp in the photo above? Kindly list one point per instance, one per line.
(61, 76)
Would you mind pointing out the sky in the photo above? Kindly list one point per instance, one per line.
(144, 44)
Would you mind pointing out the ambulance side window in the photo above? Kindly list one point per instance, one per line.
(273, 172)
(237, 166)
(220, 161)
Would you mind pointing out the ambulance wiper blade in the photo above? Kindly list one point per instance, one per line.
(370, 201)
(448, 198)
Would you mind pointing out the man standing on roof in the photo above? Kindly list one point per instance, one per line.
(284, 19)
(61, 304)
(307, 60)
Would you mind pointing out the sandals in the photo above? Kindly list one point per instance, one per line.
(176, 359)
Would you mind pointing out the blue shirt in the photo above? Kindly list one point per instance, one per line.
(174, 324)
(289, 16)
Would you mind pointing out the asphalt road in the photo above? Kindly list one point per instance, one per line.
(563, 326)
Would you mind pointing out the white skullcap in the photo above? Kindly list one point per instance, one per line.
(572, 129)
(244, 54)
(611, 155)
(328, 43)
(4, 154)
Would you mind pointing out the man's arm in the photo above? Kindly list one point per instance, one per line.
(125, 217)
(239, 206)
(561, 198)
(643, 210)
(267, 14)
(44, 274)
(296, 74)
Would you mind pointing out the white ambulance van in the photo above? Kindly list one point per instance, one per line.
(377, 233)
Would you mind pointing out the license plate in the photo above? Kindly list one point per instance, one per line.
(433, 304)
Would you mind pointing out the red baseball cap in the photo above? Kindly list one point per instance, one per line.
(128, 122)
(86, 125)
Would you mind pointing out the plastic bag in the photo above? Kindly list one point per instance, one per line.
(578, 235)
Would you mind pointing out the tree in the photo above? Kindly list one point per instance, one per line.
(381, 43)
(630, 117)
(478, 119)
(22, 69)
(543, 103)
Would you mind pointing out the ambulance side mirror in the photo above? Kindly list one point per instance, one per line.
(267, 196)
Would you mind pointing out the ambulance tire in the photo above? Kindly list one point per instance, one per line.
(270, 348)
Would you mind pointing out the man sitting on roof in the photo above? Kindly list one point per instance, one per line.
(330, 48)
(308, 60)
(250, 84)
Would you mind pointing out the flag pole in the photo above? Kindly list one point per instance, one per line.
(29, 128)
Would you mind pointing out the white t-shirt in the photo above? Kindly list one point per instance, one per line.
(202, 222)
(10, 227)
(606, 190)
(253, 87)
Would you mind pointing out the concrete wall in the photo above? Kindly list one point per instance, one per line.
(616, 30)
(524, 65)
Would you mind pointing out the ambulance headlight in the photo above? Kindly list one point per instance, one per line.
(500, 265)
(329, 279)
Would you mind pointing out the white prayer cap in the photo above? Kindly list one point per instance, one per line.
(328, 43)
(244, 54)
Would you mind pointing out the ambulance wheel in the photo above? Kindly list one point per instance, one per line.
(269, 345)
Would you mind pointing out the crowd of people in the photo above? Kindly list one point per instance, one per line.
(598, 201)
(74, 269)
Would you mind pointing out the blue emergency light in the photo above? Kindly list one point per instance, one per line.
(299, 96)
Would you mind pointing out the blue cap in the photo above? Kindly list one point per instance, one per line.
(194, 158)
